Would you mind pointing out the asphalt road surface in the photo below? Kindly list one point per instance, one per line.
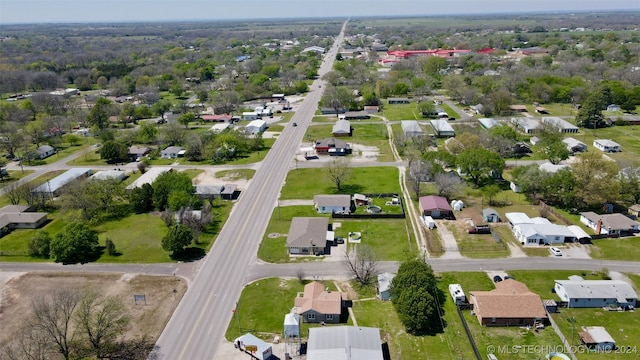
(200, 320)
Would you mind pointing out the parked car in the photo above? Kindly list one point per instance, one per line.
(497, 279)
(555, 251)
(295, 124)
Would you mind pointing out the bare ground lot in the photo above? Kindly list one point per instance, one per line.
(208, 177)
(18, 289)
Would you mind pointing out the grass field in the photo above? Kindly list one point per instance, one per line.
(388, 237)
(363, 134)
(14, 175)
(477, 245)
(236, 174)
(616, 249)
(401, 112)
(362, 180)
(137, 237)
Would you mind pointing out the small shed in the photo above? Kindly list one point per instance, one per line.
(292, 325)
(597, 338)
(116, 175)
(442, 128)
(457, 294)
(490, 215)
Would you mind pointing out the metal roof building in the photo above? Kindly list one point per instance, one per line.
(54, 185)
(344, 343)
(411, 128)
(562, 125)
(148, 177)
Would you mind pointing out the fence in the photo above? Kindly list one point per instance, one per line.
(468, 332)
(552, 211)
(564, 340)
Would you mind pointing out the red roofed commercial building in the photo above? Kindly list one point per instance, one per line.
(443, 53)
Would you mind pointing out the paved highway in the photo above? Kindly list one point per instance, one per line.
(200, 320)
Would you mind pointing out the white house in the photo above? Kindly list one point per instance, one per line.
(330, 204)
(574, 145)
(384, 285)
(255, 127)
(457, 295)
(172, 152)
(579, 293)
(250, 115)
(488, 123)
(538, 230)
(411, 128)
(45, 151)
(606, 145)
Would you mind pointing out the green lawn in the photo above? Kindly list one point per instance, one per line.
(363, 134)
(624, 328)
(387, 236)
(616, 249)
(542, 281)
(88, 159)
(627, 136)
(14, 175)
(478, 245)
(137, 236)
(236, 174)
(255, 156)
(363, 180)
(401, 111)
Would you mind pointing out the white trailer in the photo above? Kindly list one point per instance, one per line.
(457, 294)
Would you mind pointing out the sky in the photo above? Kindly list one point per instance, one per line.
(84, 11)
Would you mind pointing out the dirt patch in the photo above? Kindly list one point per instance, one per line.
(345, 286)
(470, 213)
(208, 177)
(146, 319)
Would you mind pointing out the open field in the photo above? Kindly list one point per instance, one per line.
(374, 135)
(162, 296)
(401, 111)
(362, 180)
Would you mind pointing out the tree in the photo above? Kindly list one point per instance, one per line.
(480, 163)
(77, 242)
(114, 152)
(178, 238)
(39, 244)
(187, 118)
(362, 262)
(102, 321)
(141, 199)
(338, 171)
(53, 315)
(555, 151)
(99, 113)
(426, 108)
(167, 183)
(337, 98)
(490, 191)
(590, 113)
(415, 297)
(596, 179)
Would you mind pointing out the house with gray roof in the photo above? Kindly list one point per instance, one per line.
(442, 128)
(606, 145)
(611, 224)
(20, 217)
(172, 152)
(117, 175)
(344, 343)
(332, 204)
(574, 145)
(580, 293)
(45, 151)
(149, 176)
(411, 128)
(308, 236)
(341, 128)
(526, 125)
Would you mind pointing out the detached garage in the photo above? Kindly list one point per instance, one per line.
(435, 206)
